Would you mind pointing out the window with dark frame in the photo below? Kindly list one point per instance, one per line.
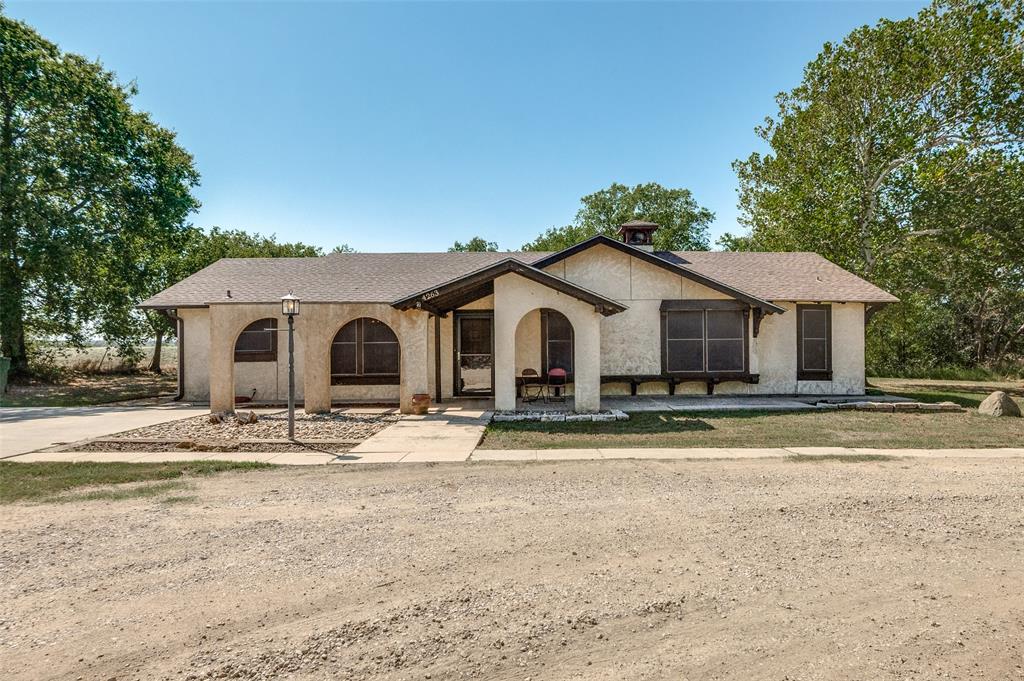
(557, 342)
(814, 342)
(705, 341)
(257, 342)
(365, 352)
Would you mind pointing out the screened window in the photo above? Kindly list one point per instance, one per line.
(814, 342)
(365, 351)
(257, 342)
(705, 341)
(556, 341)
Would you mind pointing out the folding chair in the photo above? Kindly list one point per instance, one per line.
(530, 383)
(555, 385)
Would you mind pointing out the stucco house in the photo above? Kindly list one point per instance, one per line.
(617, 316)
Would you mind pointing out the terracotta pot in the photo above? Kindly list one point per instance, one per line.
(420, 403)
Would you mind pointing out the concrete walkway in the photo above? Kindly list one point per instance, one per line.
(27, 429)
(448, 433)
(736, 453)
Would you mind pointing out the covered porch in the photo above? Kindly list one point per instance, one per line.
(530, 320)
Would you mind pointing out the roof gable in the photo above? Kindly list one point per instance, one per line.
(674, 267)
(474, 285)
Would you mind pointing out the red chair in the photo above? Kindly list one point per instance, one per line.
(556, 385)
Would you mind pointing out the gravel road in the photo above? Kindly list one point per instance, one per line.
(570, 570)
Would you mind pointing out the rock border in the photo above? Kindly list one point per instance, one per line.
(560, 416)
(934, 407)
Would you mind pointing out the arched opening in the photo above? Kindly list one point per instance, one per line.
(544, 342)
(256, 368)
(365, 352)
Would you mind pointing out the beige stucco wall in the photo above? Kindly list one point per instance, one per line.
(627, 343)
(315, 328)
(196, 350)
(631, 340)
(514, 297)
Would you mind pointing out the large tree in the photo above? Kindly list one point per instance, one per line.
(83, 177)
(476, 244)
(898, 156)
(684, 224)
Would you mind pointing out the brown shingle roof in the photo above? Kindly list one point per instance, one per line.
(783, 276)
(385, 277)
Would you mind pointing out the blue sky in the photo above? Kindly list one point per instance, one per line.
(403, 127)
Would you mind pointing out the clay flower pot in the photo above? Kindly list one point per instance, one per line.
(420, 403)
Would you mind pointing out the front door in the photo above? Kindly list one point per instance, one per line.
(474, 354)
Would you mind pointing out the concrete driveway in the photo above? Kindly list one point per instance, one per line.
(27, 429)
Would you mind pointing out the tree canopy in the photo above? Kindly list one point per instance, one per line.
(84, 179)
(899, 157)
(476, 244)
(683, 223)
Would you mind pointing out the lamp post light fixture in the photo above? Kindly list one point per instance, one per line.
(290, 309)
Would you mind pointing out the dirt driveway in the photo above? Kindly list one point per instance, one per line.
(572, 570)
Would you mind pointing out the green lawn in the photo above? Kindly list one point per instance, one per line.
(59, 481)
(87, 389)
(765, 429)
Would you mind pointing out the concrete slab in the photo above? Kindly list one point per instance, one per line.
(505, 455)
(567, 454)
(154, 457)
(28, 429)
(444, 434)
(34, 457)
(261, 457)
(819, 451)
(637, 453)
(758, 452)
(295, 459)
(369, 457)
(436, 457)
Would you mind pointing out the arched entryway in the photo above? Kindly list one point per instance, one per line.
(544, 341)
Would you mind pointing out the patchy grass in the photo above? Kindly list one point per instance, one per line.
(841, 458)
(79, 390)
(764, 429)
(966, 393)
(122, 492)
(47, 481)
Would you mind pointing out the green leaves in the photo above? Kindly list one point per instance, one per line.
(898, 156)
(477, 244)
(84, 180)
(683, 223)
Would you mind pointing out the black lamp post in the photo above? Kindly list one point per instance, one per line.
(290, 309)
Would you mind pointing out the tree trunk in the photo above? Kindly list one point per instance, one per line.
(154, 365)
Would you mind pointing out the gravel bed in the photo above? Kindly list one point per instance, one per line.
(337, 426)
(568, 571)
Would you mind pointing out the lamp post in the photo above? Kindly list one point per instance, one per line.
(290, 309)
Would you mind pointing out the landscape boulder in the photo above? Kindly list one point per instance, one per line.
(246, 418)
(999, 404)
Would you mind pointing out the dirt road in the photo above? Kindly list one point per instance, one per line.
(573, 570)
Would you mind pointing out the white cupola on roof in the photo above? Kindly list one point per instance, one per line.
(638, 233)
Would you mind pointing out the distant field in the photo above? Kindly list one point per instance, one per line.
(97, 375)
(100, 359)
